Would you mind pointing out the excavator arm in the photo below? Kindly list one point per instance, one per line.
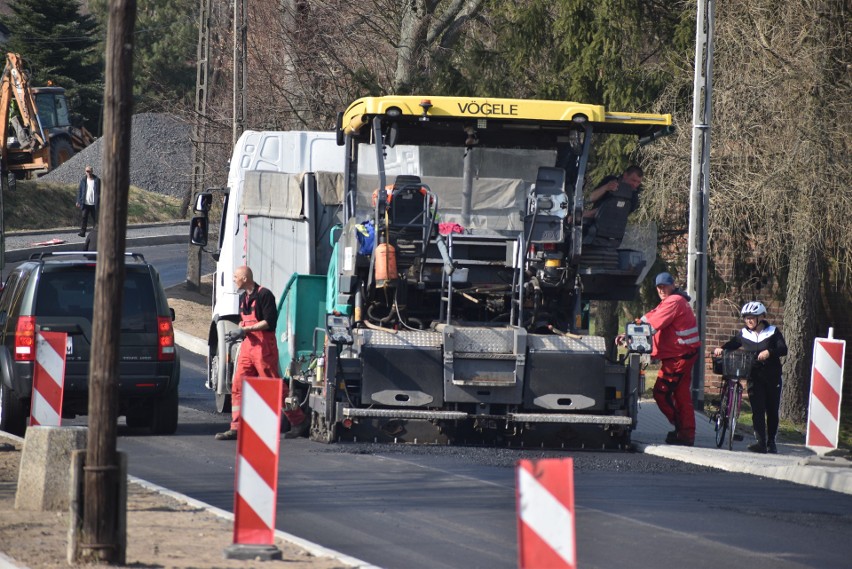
(14, 86)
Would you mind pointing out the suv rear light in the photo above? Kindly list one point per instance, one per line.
(25, 339)
(165, 339)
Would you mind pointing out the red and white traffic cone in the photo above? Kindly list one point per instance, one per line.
(256, 484)
(545, 495)
(48, 379)
(826, 391)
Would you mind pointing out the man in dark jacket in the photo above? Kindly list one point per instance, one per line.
(88, 199)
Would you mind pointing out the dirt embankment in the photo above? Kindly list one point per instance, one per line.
(192, 308)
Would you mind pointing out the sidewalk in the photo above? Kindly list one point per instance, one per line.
(793, 463)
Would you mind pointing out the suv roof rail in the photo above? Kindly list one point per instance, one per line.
(87, 254)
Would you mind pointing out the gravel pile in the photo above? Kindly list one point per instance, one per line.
(160, 156)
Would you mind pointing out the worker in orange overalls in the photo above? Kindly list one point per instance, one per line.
(259, 352)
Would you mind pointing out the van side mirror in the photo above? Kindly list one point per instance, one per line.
(203, 201)
(198, 231)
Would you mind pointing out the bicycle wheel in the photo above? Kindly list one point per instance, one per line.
(736, 399)
(722, 419)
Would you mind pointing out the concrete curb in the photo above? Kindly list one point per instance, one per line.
(7, 562)
(17, 255)
(313, 548)
(190, 343)
(75, 229)
(779, 467)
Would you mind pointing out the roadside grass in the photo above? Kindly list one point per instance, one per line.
(47, 205)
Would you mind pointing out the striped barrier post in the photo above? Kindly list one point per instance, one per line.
(545, 496)
(48, 379)
(256, 484)
(826, 391)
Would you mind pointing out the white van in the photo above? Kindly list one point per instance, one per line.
(265, 201)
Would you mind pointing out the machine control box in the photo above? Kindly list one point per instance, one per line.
(339, 328)
(639, 338)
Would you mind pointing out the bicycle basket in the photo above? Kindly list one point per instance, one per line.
(737, 363)
(717, 365)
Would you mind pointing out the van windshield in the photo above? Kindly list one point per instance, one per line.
(70, 292)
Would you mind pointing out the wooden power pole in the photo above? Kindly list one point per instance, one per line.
(240, 64)
(101, 541)
(199, 143)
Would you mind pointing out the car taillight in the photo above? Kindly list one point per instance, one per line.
(165, 339)
(25, 339)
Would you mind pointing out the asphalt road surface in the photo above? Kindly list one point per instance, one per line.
(440, 507)
(169, 259)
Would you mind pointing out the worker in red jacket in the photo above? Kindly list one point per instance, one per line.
(259, 351)
(676, 344)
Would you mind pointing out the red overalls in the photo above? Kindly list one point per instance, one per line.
(258, 358)
(676, 345)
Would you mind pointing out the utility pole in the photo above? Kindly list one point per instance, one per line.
(699, 185)
(101, 541)
(199, 135)
(240, 45)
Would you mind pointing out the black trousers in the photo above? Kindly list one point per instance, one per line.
(764, 394)
(85, 211)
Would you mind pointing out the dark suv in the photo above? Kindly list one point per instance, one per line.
(55, 292)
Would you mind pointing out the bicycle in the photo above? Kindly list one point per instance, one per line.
(734, 366)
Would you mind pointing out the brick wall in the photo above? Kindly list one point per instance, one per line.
(723, 319)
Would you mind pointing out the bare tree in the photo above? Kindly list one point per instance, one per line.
(780, 167)
(309, 59)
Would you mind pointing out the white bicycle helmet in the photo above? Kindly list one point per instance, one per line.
(753, 308)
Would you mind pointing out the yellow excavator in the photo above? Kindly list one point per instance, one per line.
(36, 134)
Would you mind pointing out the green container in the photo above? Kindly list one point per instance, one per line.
(301, 310)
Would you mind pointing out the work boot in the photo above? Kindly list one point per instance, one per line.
(771, 447)
(760, 445)
(229, 435)
(673, 438)
(296, 431)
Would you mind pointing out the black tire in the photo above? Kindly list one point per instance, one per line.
(60, 151)
(164, 416)
(722, 419)
(13, 414)
(138, 419)
(735, 413)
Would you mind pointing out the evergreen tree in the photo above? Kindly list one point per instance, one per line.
(610, 52)
(164, 52)
(59, 44)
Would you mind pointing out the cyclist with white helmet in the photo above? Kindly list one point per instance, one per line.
(764, 384)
